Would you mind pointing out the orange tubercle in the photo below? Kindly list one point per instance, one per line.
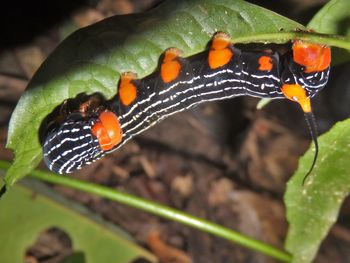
(220, 41)
(107, 130)
(297, 93)
(219, 58)
(265, 63)
(127, 89)
(220, 54)
(171, 53)
(171, 67)
(313, 57)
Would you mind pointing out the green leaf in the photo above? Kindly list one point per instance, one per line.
(312, 209)
(91, 59)
(334, 18)
(23, 216)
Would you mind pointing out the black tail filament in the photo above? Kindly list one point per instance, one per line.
(311, 123)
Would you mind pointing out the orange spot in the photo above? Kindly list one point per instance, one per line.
(171, 67)
(296, 93)
(220, 40)
(107, 130)
(220, 54)
(99, 131)
(127, 89)
(265, 63)
(313, 57)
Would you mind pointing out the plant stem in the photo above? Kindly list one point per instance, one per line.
(326, 39)
(159, 210)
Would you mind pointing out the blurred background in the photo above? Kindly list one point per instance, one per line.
(224, 161)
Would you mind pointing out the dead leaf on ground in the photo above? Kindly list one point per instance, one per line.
(165, 252)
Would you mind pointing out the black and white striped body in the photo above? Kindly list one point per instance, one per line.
(198, 83)
(72, 145)
(156, 99)
(311, 82)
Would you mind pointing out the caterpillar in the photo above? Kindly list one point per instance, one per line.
(222, 71)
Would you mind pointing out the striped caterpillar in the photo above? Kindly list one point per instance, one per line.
(221, 72)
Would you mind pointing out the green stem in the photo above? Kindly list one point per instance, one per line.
(330, 40)
(159, 210)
